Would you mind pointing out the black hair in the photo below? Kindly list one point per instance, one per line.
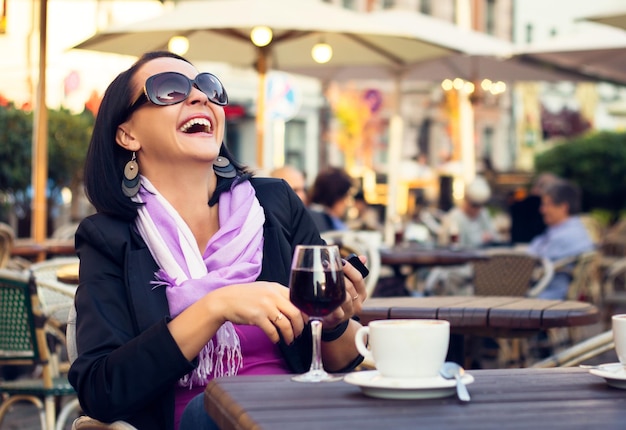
(330, 186)
(105, 160)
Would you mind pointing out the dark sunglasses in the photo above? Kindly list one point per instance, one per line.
(170, 88)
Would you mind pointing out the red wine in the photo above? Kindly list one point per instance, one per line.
(317, 293)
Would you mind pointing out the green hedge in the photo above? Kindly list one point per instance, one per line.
(596, 162)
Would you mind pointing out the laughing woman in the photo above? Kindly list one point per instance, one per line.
(183, 270)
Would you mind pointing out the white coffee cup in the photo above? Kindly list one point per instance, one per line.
(405, 348)
(619, 336)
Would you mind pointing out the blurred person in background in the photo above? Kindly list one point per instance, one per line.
(294, 177)
(565, 235)
(469, 225)
(364, 216)
(526, 219)
(330, 198)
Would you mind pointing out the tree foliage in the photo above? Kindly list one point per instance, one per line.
(68, 138)
(16, 129)
(596, 162)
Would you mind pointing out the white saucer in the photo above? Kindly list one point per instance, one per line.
(614, 373)
(374, 385)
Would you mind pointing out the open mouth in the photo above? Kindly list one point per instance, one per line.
(197, 125)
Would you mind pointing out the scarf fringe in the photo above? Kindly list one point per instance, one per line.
(212, 361)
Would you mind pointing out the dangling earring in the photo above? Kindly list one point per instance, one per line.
(131, 180)
(224, 168)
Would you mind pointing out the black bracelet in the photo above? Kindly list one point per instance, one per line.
(335, 333)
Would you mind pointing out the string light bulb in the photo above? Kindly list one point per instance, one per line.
(261, 35)
(178, 45)
(322, 52)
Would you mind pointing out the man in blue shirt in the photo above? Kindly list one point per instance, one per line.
(565, 236)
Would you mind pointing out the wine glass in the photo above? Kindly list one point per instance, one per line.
(317, 288)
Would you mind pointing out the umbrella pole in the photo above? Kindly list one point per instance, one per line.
(40, 138)
(260, 108)
(393, 161)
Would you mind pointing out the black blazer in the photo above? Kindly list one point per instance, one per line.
(127, 361)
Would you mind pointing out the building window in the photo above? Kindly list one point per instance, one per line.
(490, 17)
(295, 151)
(348, 4)
(529, 33)
(425, 7)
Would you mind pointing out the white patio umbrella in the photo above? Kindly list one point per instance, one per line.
(600, 55)
(615, 17)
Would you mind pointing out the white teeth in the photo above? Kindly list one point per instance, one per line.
(196, 121)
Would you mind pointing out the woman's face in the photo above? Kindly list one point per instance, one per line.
(162, 135)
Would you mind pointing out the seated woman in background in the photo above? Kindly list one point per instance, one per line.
(330, 197)
(175, 287)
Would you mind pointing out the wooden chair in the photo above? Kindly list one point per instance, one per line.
(23, 342)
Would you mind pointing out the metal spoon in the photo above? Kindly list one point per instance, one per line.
(451, 370)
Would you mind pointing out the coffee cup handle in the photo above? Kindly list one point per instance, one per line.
(361, 346)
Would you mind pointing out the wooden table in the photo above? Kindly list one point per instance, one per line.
(557, 398)
(483, 315)
(27, 248)
(417, 256)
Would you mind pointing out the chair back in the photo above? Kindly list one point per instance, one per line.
(56, 297)
(7, 236)
(361, 242)
(585, 284)
(22, 336)
(510, 273)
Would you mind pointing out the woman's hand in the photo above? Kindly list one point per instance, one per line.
(355, 296)
(263, 304)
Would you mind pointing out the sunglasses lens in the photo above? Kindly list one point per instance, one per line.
(213, 88)
(168, 88)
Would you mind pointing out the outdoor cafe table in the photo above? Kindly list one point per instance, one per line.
(556, 398)
(488, 316)
(27, 248)
(416, 256)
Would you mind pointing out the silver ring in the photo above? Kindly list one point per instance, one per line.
(355, 297)
(278, 317)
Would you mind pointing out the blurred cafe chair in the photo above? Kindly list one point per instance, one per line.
(7, 236)
(85, 422)
(509, 272)
(580, 352)
(361, 242)
(23, 342)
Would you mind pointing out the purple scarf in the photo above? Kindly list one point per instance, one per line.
(233, 255)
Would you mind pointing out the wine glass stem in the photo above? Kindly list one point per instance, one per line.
(316, 331)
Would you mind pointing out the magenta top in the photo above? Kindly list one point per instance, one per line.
(260, 357)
